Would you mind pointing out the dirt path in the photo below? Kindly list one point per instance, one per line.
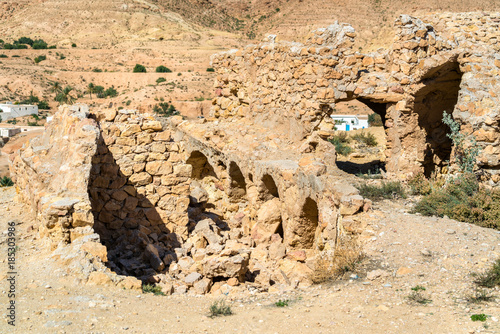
(438, 254)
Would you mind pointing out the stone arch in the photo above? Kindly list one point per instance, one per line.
(363, 107)
(438, 94)
(269, 194)
(201, 166)
(238, 186)
(379, 108)
(306, 225)
(269, 190)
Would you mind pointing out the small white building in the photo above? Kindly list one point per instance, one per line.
(10, 110)
(350, 122)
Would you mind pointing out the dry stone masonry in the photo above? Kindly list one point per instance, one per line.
(251, 197)
(446, 62)
(139, 197)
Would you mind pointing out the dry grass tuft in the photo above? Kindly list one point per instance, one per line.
(348, 252)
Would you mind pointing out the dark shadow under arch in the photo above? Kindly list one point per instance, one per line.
(201, 166)
(440, 94)
(269, 188)
(238, 186)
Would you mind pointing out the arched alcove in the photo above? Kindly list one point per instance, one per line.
(201, 166)
(306, 225)
(269, 190)
(439, 94)
(238, 187)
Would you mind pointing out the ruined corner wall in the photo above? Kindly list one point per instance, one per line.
(52, 172)
(452, 66)
(139, 188)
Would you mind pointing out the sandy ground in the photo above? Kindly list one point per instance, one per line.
(438, 254)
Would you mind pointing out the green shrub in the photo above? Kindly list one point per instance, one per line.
(340, 141)
(97, 70)
(366, 138)
(218, 308)
(160, 80)
(6, 182)
(491, 277)
(163, 69)
(150, 288)
(8, 46)
(419, 185)
(139, 69)
(480, 296)
(281, 303)
(39, 45)
(478, 317)
(387, 190)
(210, 69)
(3, 56)
(73, 45)
(164, 109)
(462, 199)
(99, 91)
(40, 58)
(110, 92)
(466, 148)
(24, 40)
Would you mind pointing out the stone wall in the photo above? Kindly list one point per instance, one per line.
(139, 190)
(159, 201)
(52, 174)
(452, 66)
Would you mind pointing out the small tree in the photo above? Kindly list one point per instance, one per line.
(99, 91)
(139, 68)
(466, 148)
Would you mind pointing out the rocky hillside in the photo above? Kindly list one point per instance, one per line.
(114, 21)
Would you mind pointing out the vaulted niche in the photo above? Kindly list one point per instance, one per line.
(238, 188)
(305, 229)
(439, 94)
(201, 166)
(269, 188)
(269, 192)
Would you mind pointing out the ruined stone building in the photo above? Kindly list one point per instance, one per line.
(253, 194)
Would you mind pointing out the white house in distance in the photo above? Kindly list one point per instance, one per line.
(10, 110)
(350, 122)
